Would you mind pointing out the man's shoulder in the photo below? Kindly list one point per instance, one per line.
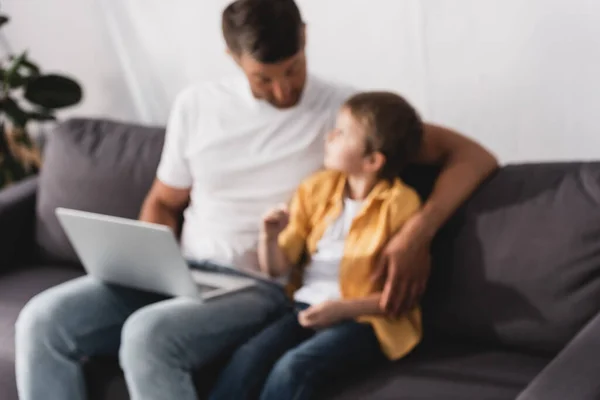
(322, 175)
(210, 90)
(337, 91)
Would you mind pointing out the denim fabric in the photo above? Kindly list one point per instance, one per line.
(159, 340)
(287, 361)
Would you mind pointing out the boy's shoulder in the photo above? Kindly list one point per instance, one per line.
(321, 182)
(401, 195)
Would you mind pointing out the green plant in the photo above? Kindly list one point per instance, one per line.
(27, 94)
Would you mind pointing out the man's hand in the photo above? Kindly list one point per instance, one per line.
(322, 315)
(404, 264)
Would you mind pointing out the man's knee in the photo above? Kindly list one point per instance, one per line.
(39, 320)
(143, 339)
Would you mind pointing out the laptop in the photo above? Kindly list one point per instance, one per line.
(142, 255)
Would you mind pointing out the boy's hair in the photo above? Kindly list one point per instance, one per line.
(393, 128)
(268, 30)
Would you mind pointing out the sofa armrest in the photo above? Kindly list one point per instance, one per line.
(17, 220)
(573, 374)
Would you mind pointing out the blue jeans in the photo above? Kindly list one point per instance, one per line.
(159, 340)
(286, 361)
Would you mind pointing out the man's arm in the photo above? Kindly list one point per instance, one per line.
(164, 205)
(405, 260)
(465, 164)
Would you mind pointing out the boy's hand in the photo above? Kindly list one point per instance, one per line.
(275, 221)
(322, 315)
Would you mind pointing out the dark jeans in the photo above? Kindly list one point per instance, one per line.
(286, 361)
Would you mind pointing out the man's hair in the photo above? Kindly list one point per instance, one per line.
(268, 30)
(392, 125)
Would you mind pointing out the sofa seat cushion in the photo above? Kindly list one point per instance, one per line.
(16, 288)
(436, 370)
(93, 165)
(447, 370)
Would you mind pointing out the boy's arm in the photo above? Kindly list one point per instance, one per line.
(332, 312)
(271, 257)
(353, 308)
(283, 238)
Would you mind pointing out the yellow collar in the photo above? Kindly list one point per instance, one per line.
(379, 192)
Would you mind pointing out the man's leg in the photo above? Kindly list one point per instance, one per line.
(250, 365)
(61, 327)
(163, 343)
(330, 354)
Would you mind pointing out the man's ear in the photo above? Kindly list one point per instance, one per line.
(234, 56)
(303, 36)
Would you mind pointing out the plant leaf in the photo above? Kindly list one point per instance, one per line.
(12, 77)
(3, 20)
(18, 117)
(20, 71)
(33, 69)
(53, 91)
(42, 116)
(15, 80)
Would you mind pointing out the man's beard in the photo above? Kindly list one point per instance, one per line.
(293, 101)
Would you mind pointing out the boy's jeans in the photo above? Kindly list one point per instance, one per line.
(159, 340)
(286, 361)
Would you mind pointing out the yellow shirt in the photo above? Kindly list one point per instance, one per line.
(316, 204)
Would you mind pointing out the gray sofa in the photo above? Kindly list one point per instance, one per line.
(511, 311)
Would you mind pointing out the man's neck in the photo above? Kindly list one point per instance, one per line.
(359, 187)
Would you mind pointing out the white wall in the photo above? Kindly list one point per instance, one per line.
(519, 76)
(523, 76)
(68, 36)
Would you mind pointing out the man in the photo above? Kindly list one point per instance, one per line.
(233, 149)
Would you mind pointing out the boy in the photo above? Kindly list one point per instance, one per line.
(342, 217)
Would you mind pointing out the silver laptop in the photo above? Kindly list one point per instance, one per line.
(141, 255)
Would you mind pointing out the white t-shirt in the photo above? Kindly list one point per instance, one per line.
(322, 274)
(241, 156)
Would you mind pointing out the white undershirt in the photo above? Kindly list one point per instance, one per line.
(322, 274)
(241, 156)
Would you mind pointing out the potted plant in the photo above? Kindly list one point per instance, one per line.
(26, 95)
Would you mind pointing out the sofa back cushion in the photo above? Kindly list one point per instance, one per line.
(93, 165)
(519, 264)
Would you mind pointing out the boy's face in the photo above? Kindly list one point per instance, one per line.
(345, 148)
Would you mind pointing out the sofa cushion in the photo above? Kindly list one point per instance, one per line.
(442, 369)
(519, 265)
(17, 205)
(16, 288)
(93, 165)
(436, 370)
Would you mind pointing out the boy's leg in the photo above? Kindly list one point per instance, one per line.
(249, 367)
(330, 354)
(60, 327)
(163, 343)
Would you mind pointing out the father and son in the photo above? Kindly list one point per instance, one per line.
(320, 164)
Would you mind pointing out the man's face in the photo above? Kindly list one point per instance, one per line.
(281, 83)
